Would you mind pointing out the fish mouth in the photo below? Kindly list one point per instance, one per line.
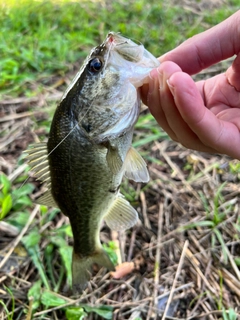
(128, 49)
(131, 51)
(117, 39)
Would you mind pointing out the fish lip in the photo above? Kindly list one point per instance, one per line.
(116, 39)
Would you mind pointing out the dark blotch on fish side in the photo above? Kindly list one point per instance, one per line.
(86, 127)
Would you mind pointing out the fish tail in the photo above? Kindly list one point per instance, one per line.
(81, 268)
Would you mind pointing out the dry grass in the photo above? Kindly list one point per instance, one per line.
(180, 272)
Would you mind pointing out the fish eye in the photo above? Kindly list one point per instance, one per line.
(95, 65)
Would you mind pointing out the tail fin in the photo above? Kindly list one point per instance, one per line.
(81, 268)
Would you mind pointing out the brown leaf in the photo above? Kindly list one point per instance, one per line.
(122, 270)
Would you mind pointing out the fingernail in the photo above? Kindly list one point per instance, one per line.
(160, 76)
(151, 75)
(152, 82)
(171, 87)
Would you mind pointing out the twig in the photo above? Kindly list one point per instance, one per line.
(175, 279)
(144, 210)
(175, 168)
(15, 116)
(29, 312)
(198, 270)
(217, 312)
(131, 246)
(21, 234)
(23, 281)
(158, 257)
(154, 301)
(50, 97)
(234, 266)
(17, 172)
(9, 229)
(122, 242)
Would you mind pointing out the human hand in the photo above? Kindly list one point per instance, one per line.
(205, 115)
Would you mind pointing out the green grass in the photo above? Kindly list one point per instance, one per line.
(215, 221)
(13, 199)
(9, 314)
(41, 39)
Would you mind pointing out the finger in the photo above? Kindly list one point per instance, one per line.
(154, 102)
(233, 73)
(144, 89)
(217, 135)
(209, 47)
(178, 129)
(163, 108)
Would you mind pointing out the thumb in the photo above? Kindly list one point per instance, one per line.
(233, 73)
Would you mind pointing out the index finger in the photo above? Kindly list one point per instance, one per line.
(208, 47)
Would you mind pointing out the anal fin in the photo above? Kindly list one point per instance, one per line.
(121, 215)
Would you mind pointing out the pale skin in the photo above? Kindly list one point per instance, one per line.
(204, 115)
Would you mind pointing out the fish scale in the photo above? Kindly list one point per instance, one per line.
(89, 149)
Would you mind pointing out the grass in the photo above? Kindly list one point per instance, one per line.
(39, 40)
(191, 196)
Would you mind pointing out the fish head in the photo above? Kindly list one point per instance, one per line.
(106, 86)
(117, 61)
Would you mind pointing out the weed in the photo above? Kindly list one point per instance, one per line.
(111, 248)
(229, 314)
(15, 200)
(214, 219)
(9, 314)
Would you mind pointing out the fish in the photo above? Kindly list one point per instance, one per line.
(89, 149)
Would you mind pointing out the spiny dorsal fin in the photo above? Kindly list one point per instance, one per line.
(121, 215)
(135, 167)
(38, 161)
(47, 200)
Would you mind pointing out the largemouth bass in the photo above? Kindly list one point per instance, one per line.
(89, 149)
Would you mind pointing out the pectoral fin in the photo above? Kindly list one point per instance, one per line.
(135, 167)
(114, 159)
(121, 215)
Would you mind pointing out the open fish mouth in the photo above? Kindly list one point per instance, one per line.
(130, 56)
(128, 49)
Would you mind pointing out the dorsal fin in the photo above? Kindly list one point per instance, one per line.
(38, 160)
(37, 156)
(47, 200)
